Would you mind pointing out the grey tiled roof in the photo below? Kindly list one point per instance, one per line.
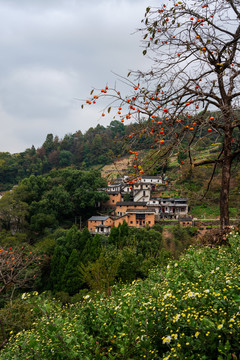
(152, 177)
(141, 211)
(103, 226)
(131, 203)
(100, 218)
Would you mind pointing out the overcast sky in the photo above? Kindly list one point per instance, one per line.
(54, 51)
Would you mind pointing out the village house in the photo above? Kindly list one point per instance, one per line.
(114, 198)
(173, 207)
(152, 179)
(100, 224)
(141, 192)
(123, 206)
(186, 220)
(142, 209)
(141, 217)
(112, 188)
(170, 208)
(138, 218)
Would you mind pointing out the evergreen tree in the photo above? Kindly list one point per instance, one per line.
(71, 277)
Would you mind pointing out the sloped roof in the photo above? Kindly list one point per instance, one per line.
(131, 203)
(141, 211)
(151, 177)
(103, 226)
(98, 218)
(185, 218)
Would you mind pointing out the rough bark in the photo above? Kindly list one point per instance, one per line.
(226, 176)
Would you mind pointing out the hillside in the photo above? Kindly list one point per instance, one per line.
(112, 151)
(185, 181)
(98, 147)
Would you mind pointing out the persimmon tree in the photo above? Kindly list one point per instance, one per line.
(17, 270)
(192, 88)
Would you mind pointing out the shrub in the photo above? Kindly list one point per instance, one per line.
(188, 310)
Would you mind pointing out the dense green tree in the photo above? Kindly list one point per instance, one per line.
(65, 158)
(53, 199)
(100, 275)
(41, 221)
(48, 145)
(71, 277)
(13, 213)
(117, 128)
(149, 242)
(129, 264)
(58, 265)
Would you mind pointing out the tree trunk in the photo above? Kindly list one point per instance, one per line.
(226, 175)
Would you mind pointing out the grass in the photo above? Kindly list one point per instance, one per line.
(205, 211)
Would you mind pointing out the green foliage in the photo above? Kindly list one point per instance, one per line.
(58, 264)
(46, 245)
(13, 213)
(130, 265)
(190, 309)
(158, 227)
(71, 277)
(43, 202)
(16, 317)
(101, 274)
(205, 210)
(8, 239)
(65, 158)
(96, 146)
(41, 221)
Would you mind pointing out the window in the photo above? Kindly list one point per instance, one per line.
(149, 222)
(137, 222)
(131, 222)
(113, 201)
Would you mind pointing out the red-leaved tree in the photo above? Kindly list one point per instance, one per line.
(18, 270)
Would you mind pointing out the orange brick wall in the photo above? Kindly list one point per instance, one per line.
(124, 208)
(93, 223)
(132, 221)
(113, 199)
(121, 220)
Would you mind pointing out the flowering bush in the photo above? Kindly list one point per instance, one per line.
(189, 310)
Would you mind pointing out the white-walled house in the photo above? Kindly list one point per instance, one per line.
(141, 192)
(150, 179)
